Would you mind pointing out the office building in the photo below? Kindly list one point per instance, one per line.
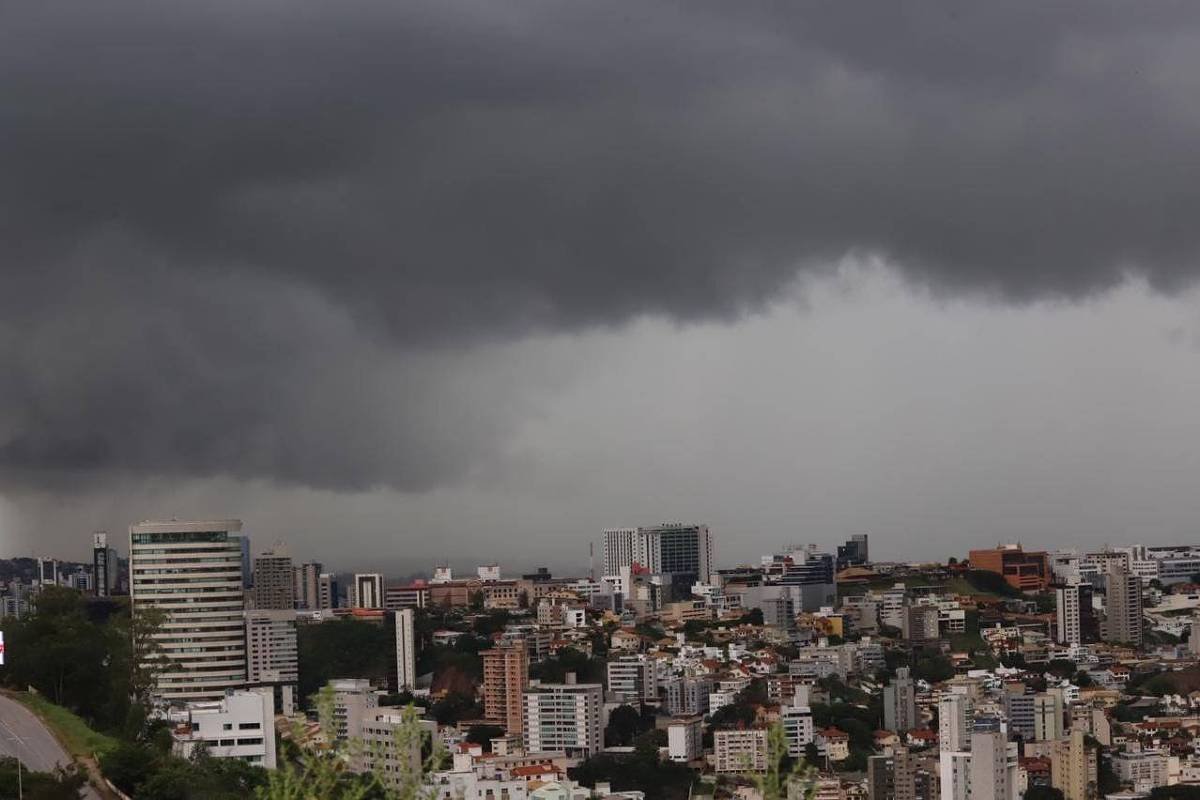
(327, 591)
(240, 725)
(1021, 570)
(274, 580)
(193, 572)
(505, 676)
(307, 585)
(272, 656)
(673, 549)
(406, 650)
(740, 750)
(1075, 617)
(900, 703)
(367, 591)
(1122, 608)
(955, 722)
(1074, 767)
(853, 553)
(105, 566)
(564, 716)
(47, 572)
(633, 679)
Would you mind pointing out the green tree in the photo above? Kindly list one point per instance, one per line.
(1043, 793)
(624, 723)
(339, 649)
(62, 784)
(483, 735)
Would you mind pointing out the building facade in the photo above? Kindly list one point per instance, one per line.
(193, 573)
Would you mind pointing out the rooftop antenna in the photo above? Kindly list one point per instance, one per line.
(591, 561)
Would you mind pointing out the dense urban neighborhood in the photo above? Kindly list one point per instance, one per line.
(198, 667)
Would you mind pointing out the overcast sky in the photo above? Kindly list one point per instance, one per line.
(406, 282)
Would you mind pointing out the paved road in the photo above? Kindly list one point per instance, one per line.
(23, 735)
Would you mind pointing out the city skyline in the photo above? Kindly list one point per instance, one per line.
(626, 264)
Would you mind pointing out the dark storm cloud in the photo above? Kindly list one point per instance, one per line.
(227, 230)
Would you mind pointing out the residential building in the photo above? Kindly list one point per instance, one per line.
(272, 656)
(1144, 770)
(1122, 608)
(900, 703)
(505, 676)
(740, 750)
(367, 591)
(685, 738)
(920, 624)
(414, 595)
(240, 725)
(105, 566)
(406, 650)
(798, 726)
(274, 580)
(633, 678)
(1075, 618)
(389, 757)
(307, 582)
(955, 721)
(1047, 716)
(993, 767)
(687, 695)
(564, 716)
(1074, 767)
(354, 704)
(1018, 708)
(47, 572)
(1027, 571)
(327, 591)
(193, 573)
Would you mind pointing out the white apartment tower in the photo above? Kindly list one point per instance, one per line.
(272, 655)
(955, 720)
(406, 651)
(193, 572)
(564, 716)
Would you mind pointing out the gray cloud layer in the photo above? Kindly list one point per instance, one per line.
(266, 239)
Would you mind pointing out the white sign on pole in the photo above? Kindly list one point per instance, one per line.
(1, 648)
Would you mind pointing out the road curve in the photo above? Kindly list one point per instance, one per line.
(23, 735)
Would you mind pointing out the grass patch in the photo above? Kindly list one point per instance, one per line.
(73, 732)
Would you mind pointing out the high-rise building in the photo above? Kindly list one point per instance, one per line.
(1074, 767)
(900, 703)
(671, 548)
(1122, 608)
(306, 585)
(633, 678)
(955, 721)
(47, 572)
(505, 676)
(327, 591)
(274, 580)
(1047, 716)
(904, 773)
(993, 774)
(854, 552)
(105, 566)
(1076, 623)
(368, 590)
(798, 726)
(192, 571)
(272, 660)
(406, 650)
(564, 716)
(1018, 707)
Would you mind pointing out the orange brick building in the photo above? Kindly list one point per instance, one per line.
(1029, 572)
